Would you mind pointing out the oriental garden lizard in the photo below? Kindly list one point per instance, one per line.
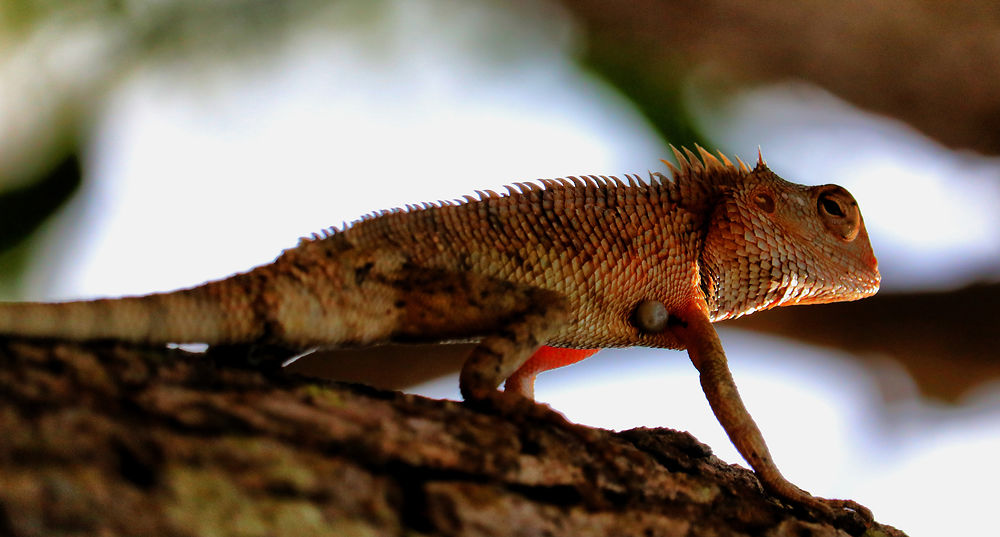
(540, 276)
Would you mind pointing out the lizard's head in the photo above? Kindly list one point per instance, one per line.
(768, 242)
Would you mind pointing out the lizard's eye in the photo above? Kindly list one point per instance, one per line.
(831, 206)
(839, 212)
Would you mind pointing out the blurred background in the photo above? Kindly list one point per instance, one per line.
(146, 146)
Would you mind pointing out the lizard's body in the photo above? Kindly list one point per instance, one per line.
(564, 264)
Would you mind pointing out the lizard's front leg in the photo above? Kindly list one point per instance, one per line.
(705, 349)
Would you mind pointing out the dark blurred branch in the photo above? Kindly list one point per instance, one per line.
(931, 64)
(947, 341)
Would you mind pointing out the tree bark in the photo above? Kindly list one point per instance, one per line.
(104, 439)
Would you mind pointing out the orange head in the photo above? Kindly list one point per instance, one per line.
(769, 242)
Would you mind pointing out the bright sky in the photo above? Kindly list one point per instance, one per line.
(193, 178)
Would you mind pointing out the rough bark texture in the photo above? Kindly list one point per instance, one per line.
(111, 440)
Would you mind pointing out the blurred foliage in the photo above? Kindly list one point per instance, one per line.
(656, 91)
(48, 101)
(660, 101)
(18, 17)
(225, 29)
(186, 32)
(24, 209)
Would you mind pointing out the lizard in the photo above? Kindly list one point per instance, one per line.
(540, 276)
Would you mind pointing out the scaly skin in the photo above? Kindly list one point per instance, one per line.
(564, 264)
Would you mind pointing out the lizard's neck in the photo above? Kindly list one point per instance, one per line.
(737, 275)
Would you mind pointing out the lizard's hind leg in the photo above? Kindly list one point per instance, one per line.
(544, 359)
(378, 296)
(510, 321)
(500, 354)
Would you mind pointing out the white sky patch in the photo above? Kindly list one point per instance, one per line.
(940, 466)
(193, 179)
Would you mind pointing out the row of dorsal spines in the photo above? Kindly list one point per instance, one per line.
(690, 163)
(695, 177)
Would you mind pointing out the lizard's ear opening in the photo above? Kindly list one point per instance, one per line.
(838, 211)
(651, 317)
(763, 200)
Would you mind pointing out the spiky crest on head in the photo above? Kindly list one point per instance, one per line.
(700, 178)
(707, 165)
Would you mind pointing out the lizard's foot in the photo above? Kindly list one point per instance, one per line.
(833, 509)
(515, 405)
(842, 507)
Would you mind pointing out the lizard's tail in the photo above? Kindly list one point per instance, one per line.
(216, 312)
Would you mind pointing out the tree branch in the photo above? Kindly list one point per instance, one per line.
(112, 440)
